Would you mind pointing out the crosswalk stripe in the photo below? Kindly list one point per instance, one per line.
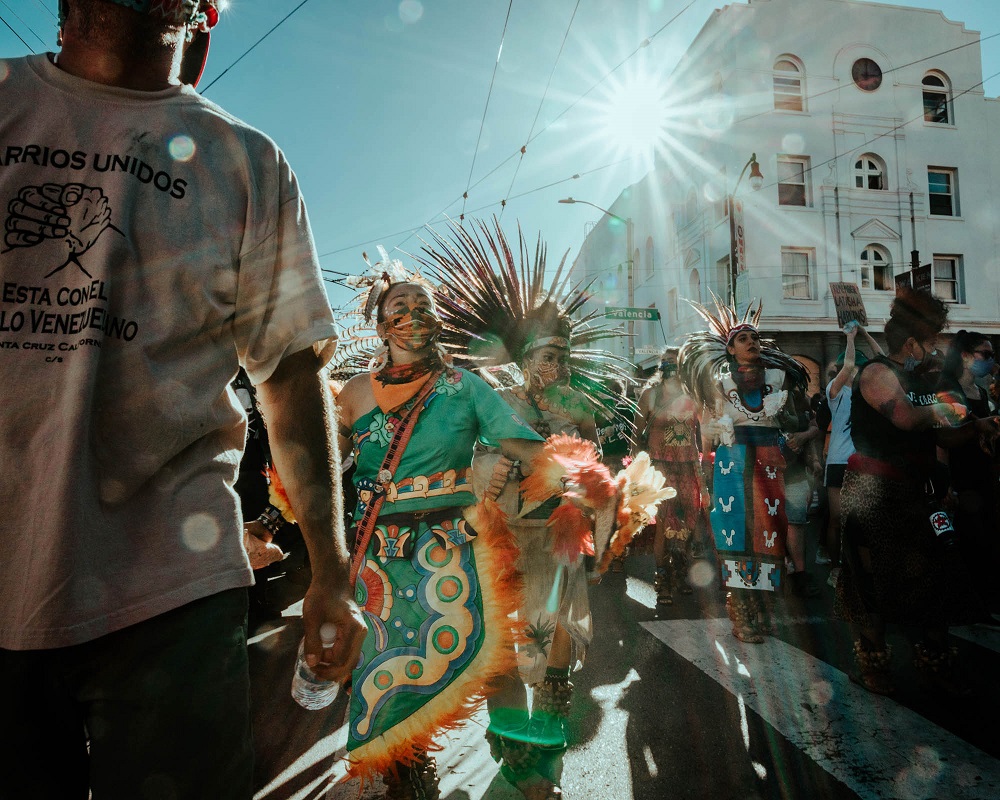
(979, 634)
(872, 744)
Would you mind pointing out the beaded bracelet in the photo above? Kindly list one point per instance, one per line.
(271, 519)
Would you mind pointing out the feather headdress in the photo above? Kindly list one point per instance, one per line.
(496, 307)
(704, 357)
(358, 340)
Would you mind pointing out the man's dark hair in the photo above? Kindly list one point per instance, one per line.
(914, 313)
(105, 23)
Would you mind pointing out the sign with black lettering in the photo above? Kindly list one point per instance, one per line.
(850, 306)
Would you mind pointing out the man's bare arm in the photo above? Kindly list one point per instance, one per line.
(301, 424)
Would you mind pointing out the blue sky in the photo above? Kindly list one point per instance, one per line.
(379, 104)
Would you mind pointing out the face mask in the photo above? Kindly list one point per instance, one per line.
(911, 363)
(980, 368)
(411, 329)
(545, 374)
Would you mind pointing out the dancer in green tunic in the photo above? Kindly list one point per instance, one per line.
(433, 577)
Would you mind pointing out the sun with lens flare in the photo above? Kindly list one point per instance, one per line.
(634, 118)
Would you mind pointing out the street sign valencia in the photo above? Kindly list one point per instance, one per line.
(650, 314)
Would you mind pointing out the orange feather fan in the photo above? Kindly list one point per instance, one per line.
(276, 494)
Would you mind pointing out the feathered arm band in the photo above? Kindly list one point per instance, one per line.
(570, 467)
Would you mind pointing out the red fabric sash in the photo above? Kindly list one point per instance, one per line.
(397, 445)
(872, 466)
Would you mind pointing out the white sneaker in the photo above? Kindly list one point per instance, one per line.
(822, 557)
(834, 577)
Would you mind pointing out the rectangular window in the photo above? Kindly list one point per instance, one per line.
(796, 279)
(936, 107)
(948, 278)
(787, 92)
(793, 188)
(942, 188)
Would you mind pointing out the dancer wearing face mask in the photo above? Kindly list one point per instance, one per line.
(668, 428)
(432, 572)
(555, 608)
(968, 366)
(899, 561)
(500, 312)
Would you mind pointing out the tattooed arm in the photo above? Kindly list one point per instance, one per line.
(881, 389)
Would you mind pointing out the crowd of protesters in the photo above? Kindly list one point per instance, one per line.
(130, 582)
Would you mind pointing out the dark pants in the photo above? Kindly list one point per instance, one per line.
(165, 705)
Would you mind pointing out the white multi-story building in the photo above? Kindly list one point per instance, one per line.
(876, 145)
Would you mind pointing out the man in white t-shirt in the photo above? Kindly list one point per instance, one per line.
(152, 244)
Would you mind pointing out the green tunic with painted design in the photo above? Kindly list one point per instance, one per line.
(428, 587)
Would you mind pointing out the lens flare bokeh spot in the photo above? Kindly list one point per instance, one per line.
(410, 11)
(701, 574)
(200, 532)
(181, 148)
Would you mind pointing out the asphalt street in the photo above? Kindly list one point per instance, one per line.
(670, 705)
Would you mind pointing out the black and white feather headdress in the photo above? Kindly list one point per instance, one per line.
(703, 358)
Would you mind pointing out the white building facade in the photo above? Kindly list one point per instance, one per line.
(876, 145)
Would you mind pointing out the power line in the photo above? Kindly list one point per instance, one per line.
(254, 45)
(15, 33)
(489, 94)
(539, 110)
(888, 71)
(48, 10)
(642, 44)
(440, 216)
(437, 217)
(25, 24)
(888, 132)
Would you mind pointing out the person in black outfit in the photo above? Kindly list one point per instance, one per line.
(895, 566)
(970, 360)
(274, 545)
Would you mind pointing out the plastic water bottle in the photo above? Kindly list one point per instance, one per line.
(308, 690)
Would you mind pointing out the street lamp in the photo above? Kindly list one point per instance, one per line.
(736, 232)
(630, 247)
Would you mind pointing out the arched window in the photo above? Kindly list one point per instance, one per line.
(789, 92)
(937, 98)
(649, 257)
(876, 268)
(694, 286)
(869, 172)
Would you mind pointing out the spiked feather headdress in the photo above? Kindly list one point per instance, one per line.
(704, 357)
(496, 307)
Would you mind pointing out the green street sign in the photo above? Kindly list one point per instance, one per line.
(649, 314)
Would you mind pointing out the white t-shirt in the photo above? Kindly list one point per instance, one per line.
(152, 243)
(841, 446)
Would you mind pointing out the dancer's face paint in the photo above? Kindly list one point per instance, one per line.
(546, 366)
(409, 319)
